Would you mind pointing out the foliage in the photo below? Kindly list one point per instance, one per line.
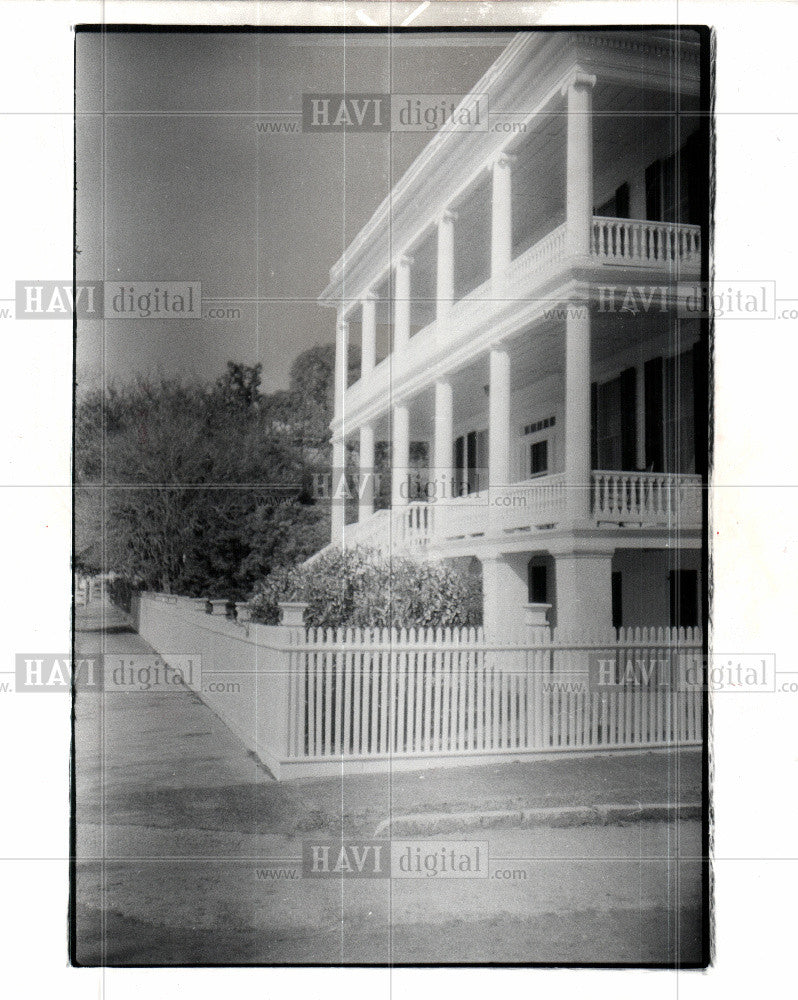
(197, 488)
(360, 588)
(121, 592)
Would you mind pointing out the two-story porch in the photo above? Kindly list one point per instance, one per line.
(494, 474)
(519, 306)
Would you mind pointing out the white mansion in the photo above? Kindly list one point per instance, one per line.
(519, 302)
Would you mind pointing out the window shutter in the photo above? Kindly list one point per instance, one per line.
(622, 202)
(629, 419)
(653, 380)
(654, 191)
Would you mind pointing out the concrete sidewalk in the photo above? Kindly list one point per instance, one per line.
(188, 850)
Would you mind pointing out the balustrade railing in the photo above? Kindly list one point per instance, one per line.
(549, 249)
(621, 241)
(647, 497)
(412, 524)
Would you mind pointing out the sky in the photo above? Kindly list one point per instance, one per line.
(175, 182)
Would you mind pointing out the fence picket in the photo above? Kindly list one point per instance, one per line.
(357, 704)
(387, 688)
(437, 712)
(371, 693)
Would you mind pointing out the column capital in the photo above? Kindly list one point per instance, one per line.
(578, 78)
(447, 215)
(404, 260)
(368, 296)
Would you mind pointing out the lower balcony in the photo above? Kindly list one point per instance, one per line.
(621, 499)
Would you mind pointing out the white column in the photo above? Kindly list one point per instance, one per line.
(579, 169)
(366, 484)
(504, 601)
(501, 243)
(442, 470)
(445, 283)
(640, 405)
(499, 418)
(577, 408)
(338, 491)
(368, 349)
(583, 589)
(401, 326)
(341, 365)
(400, 455)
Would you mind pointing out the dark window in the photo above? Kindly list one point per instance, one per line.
(616, 207)
(470, 457)
(537, 583)
(684, 598)
(459, 463)
(617, 601)
(654, 449)
(471, 463)
(538, 458)
(654, 190)
(614, 421)
(622, 202)
(670, 414)
(674, 185)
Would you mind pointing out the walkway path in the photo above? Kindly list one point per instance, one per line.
(200, 846)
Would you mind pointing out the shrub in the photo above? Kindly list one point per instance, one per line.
(360, 588)
(121, 591)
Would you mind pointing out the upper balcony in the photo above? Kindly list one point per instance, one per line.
(619, 250)
(487, 230)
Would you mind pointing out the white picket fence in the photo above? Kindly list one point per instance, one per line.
(311, 701)
(421, 693)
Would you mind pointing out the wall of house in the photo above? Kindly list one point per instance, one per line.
(648, 139)
(645, 587)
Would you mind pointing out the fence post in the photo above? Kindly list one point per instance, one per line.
(292, 613)
(279, 690)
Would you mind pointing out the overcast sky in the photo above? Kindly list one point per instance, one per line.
(184, 186)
